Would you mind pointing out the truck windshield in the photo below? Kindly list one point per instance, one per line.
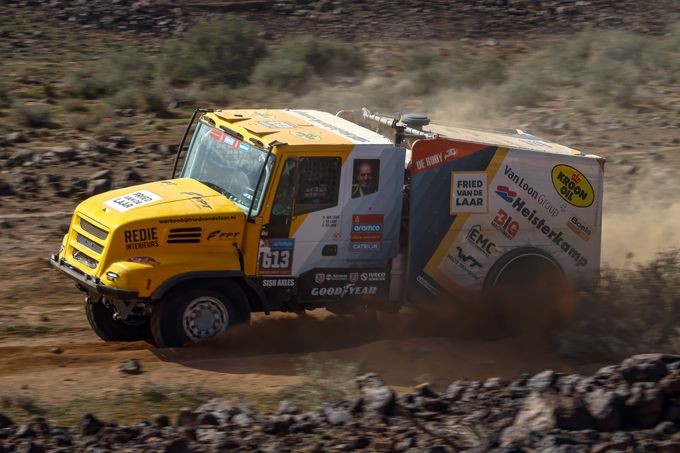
(227, 165)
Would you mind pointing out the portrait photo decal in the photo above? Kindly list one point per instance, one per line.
(366, 177)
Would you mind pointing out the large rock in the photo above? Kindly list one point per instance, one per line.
(90, 425)
(644, 367)
(377, 398)
(542, 381)
(337, 414)
(5, 189)
(130, 366)
(537, 414)
(97, 186)
(605, 408)
(644, 407)
(670, 385)
(19, 158)
(186, 417)
(63, 153)
(546, 411)
(5, 422)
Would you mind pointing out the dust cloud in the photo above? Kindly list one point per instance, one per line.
(641, 222)
(431, 342)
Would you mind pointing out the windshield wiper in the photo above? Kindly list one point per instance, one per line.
(221, 190)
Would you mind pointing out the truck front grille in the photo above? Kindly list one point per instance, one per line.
(93, 229)
(85, 259)
(89, 244)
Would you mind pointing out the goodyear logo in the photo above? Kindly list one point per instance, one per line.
(572, 186)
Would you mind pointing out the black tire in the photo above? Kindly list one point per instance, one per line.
(524, 290)
(101, 320)
(174, 318)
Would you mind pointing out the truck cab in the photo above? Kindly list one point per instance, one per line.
(273, 210)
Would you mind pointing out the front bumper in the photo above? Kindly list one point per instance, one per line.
(91, 283)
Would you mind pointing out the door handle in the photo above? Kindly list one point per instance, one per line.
(329, 250)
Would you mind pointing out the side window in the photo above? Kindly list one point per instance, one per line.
(318, 184)
(366, 177)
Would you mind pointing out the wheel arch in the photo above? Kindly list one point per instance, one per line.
(256, 298)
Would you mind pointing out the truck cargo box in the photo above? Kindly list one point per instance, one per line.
(481, 199)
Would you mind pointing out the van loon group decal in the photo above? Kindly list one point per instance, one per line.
(572, 186)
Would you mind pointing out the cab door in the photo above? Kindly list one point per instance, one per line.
(302, 229)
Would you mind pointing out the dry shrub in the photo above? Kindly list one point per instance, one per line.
(427, 73)
(300, 63)
(220, 52)
(614, 67)
(630, 311)
(111, 74)
(37, 116)
(74, 105)
(5, 96)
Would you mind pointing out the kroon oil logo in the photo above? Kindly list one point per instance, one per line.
(572, 186)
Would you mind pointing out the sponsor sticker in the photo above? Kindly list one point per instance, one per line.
(555, 236)
(276, 256)
(482, 243)
(218, 134)
(328, 126)
(465, 261)
(306, 136)
(369, 276)
(228, 139)
(132, 200)
(350, 289)
(572, 186)
(504, 223)
(505, 193)
(220, 235)
(198, 200)
(468, 192)
(277, 124)
(339, 282)
(278, 282)
(141, 238)
(579, 227)
(367, 232)
(434, 159)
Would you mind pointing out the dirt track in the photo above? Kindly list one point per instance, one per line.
(265, 359)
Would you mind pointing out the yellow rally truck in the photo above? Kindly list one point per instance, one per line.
(290, 210)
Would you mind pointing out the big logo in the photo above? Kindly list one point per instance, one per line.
(504, 223)
(572, 186)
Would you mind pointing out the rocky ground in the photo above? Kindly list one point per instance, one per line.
(52, 368)
(360, 20)
(633, 406)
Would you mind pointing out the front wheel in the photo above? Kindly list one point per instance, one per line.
(196, 311)
(100, 317)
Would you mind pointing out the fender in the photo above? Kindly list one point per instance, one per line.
(164, 287)
(251, 288)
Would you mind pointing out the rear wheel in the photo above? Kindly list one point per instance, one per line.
(527, 291)
(100, 317)
(198, 310)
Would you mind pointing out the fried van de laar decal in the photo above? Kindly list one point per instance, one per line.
(572, 186)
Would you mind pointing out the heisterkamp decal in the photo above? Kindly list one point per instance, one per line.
(572, 186)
